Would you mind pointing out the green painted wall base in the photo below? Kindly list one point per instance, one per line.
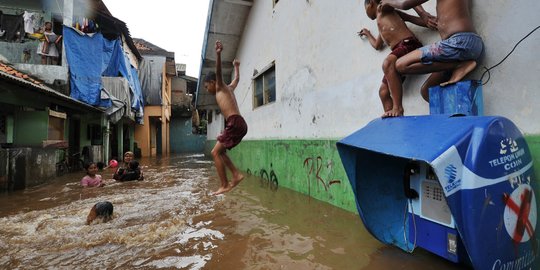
(312, 167)
(534, 147)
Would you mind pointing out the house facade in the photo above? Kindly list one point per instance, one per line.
(156, 71)
(185, 128)
(81, 105)
(307, 80)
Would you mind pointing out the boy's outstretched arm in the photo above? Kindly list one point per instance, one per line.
(402, 4)
(236, 79)
(410, 18)
(429, 20)
(377, 43)
(219, 79)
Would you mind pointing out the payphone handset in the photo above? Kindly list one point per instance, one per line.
(410, 169)
(421, 184)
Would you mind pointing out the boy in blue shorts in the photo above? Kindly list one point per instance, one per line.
(450, 59)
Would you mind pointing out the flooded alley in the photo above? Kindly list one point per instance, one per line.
(169, 221)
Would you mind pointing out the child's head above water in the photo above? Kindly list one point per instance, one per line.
(91, 168)
(133, 164)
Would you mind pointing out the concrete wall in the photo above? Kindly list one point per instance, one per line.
(13, 51)
(47, 73)
(216, 123)
(26, 167)
(31, 128)
(327, 78)
(311, 167)
(182, 138)
(145, 133)
(327, 81)
(178, 93)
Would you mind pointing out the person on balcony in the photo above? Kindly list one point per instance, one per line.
(48, 48)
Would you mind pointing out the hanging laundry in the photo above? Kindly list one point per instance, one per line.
(28, 22)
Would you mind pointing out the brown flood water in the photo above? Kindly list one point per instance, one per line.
(168, 221)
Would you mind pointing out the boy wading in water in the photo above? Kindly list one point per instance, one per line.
(235, 126)
(394, 32)
(450, 59)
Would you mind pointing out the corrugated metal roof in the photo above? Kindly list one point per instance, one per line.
(226, 22)
(9, 73)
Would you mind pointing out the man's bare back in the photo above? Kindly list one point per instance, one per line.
(454, 17)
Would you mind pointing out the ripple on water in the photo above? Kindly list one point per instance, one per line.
(151, 225)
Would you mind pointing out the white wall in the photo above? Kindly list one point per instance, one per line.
(217, 125)
(327, 78)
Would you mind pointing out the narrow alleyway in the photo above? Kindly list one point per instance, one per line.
(169, 221)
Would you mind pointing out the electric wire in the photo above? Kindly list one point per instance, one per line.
(409, 203)
(487, 70)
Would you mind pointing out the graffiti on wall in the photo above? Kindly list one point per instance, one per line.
(267, 179)
(318, 171)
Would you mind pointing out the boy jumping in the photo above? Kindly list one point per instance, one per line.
(235, 126)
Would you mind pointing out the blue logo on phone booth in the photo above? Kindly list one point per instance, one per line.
(450, 172)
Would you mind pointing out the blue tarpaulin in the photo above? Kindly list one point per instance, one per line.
(112, 57)
(92, 56)
(85, 57)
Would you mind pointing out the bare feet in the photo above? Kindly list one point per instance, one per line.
(393, 113)
(460, 72)
(236, 180)
(222, 190)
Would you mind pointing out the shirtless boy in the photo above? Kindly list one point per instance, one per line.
(455, 54)
(235, 126)
(394, 32)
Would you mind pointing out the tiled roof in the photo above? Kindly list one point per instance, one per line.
(142, 47)
(147, 48)
(8, 71)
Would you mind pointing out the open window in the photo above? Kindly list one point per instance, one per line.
(264, 85)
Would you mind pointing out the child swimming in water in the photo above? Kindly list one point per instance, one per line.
(92, 179)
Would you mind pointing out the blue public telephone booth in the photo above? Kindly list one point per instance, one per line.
(461, 187)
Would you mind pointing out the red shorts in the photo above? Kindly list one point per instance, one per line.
(235, 130)
(404, 47)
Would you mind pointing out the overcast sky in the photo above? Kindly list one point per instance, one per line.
(174, 25)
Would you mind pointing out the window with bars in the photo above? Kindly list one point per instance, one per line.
(264, 85)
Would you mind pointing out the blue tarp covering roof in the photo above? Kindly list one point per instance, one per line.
(112, 57)
(92, 56)
(85, 57)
